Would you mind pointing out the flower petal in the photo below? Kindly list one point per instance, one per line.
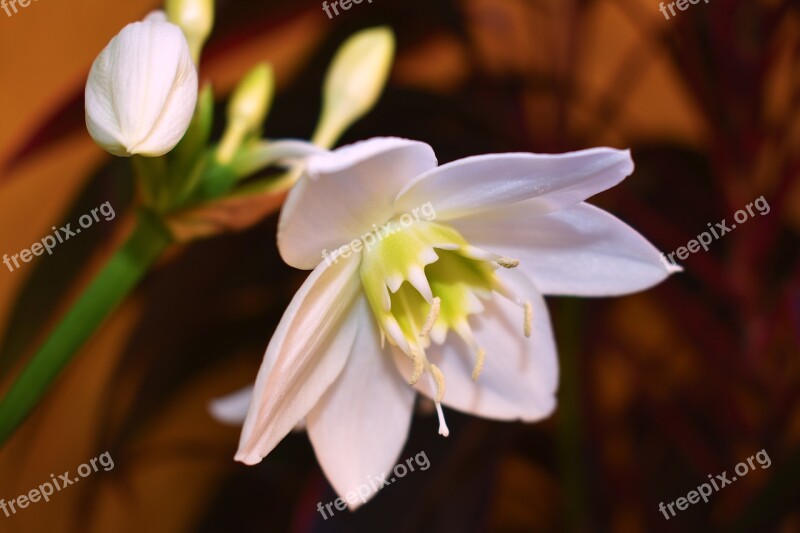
(581, 250)
(348, 191)
(359, 426)
(520, 375)
(476, 183)
(306, 354)
(232, 409)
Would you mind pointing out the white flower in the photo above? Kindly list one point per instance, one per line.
(142, 90)
(457, 298)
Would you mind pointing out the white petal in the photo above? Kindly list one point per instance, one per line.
(482, 182)
(232, 409)
(142, 90)
(581, 250)
(359, 426)
(520, 375)
(344, 193)
(307, 352)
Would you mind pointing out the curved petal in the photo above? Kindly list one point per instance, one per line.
(359, 426)
(348, 192)
(581, 250)
(477, 183)
(306, 354)
(232, 409)
(520, 375)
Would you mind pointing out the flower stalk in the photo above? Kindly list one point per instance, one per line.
(104, 294)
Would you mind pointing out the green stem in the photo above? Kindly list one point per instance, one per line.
(108, 289)
(570, 432)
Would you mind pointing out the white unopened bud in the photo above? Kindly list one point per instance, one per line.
(142, 90)
(355, 81)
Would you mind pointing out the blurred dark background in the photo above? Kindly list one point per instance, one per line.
(658, 390)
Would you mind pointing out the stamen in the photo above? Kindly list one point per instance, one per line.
(419, 365)
(507, 262)
(476, 253)
(436, 306)
(474, 304)
(443, 430)
(481, 358)
(436, 375)
(465, 332)
(439, 378)
(504, 290)
(528, 319)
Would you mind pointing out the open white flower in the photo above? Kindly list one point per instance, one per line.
(451, 304)
(142, 90)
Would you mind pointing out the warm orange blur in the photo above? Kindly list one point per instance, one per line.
(653, 390)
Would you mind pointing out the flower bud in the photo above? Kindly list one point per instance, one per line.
(354, 82)
(252, 97)
(247, 108)
(157, 15)
(142, 90)
(195, 18)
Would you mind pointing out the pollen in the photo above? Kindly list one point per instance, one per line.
(440, 386)
(418, 362)
(425, 280)
(480, 360)
(528, 327)
(507, 262)
(432, 316)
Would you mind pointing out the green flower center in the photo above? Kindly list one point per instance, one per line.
(424, 280)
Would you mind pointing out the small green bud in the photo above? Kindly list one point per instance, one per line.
(247, 109)
(355, 81)
(195, 18)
